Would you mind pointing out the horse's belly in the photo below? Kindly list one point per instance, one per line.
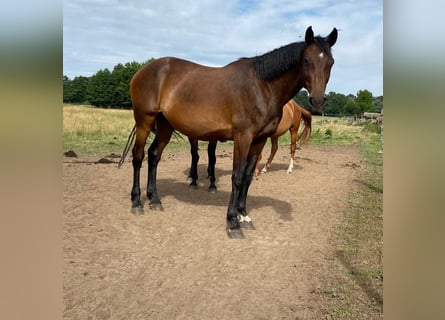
(200, 127)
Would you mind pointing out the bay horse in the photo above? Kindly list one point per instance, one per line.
(242, 101)
(290, 121)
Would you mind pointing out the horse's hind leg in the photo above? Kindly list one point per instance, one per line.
(193, 173)
(163, 134)
(257, 165)
(273, 150)
(142, 130)
(293, 147)
(211, 150)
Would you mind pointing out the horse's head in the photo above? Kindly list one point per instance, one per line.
(317, 63)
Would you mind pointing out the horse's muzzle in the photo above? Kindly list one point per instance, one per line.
(317, 105)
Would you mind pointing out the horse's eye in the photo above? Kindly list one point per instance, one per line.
(306, 61)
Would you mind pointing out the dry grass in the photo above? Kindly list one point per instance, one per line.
(94, 131)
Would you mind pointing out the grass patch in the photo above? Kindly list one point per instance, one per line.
(359, 288)
(337, 131)
(99, 132)
(93, 131)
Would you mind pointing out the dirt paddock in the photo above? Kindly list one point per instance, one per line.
(179, 263)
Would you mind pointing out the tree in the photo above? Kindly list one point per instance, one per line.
(350, 107)
(75, 91)
(111, 89)
(121, 77)
(101, 90)
(363, 102)
(377, 103)
(335, 103)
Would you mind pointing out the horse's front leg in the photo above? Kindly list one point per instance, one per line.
(240, 152)
(233, 223)
(252, 160)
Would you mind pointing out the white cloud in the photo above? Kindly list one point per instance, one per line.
(99, 34)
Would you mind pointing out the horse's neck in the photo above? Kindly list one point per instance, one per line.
(285, 87)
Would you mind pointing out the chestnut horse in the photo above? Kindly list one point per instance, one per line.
(292, 116)
(291, 119)
(242, 101)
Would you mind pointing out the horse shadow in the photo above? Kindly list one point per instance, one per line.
(181, 191)
(202, 170)
(276, 166)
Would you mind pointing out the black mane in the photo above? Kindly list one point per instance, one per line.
(280, 60)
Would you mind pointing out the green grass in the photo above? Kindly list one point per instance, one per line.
(360, 288)
(336, 131)
(92, 131)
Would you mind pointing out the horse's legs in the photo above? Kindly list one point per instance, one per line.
(255, 150)
(193, 173)
(293, 147)
(163, 134)
(143, 128)
(211, 150)
(240, 151)
(273, 150)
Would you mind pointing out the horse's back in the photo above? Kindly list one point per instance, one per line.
(197, 100)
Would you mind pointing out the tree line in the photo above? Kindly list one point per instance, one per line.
(110, 89)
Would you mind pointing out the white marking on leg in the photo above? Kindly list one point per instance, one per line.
(244, 218)
(264, 170)
(291, 166)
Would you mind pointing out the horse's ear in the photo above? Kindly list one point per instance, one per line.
(332, 37)
(309, 37)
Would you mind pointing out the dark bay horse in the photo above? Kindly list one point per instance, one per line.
(242, 101)
(290, 121)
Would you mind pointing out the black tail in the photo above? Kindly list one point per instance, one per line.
(127, 146)
(133, 133)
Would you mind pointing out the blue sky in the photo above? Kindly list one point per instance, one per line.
(99, 34)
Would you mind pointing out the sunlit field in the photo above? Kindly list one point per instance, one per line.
(95, 131)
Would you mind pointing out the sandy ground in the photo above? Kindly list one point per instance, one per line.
(180, 264)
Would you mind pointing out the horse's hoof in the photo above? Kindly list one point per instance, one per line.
(235, 234)
(212, 189)
(138, 210)
(156, 206)
(248, 225)
(245, 222)
(193, 186)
